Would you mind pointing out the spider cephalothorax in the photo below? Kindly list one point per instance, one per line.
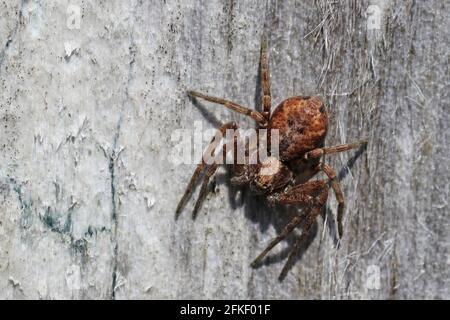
(301, 123)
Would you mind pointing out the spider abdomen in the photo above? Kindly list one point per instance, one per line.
(302, 123)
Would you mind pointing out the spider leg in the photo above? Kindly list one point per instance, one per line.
(286, 231)
(255, 115)
(204, 188)
(331, 174)
(210, 172)
(310, 219)
(201, 166)
(301, 194)
(317, 153)
(265, 78)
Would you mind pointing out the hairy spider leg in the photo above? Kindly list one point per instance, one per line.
(265, 78)
(310, 219)
(255, 115)
(201, 166)
(335, 184)
(300, 194)
(317, 153)
(210, 172)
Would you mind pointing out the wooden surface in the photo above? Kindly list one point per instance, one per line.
(87, 190)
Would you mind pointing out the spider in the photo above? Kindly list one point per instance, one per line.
(302, 123)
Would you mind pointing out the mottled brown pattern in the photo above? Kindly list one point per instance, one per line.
(302, 123)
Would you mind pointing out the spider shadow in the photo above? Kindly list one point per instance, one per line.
(351, 162)
(208, 115)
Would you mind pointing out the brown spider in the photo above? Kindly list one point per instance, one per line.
(302, 125)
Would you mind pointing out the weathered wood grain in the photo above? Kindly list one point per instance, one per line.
(87, 191)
